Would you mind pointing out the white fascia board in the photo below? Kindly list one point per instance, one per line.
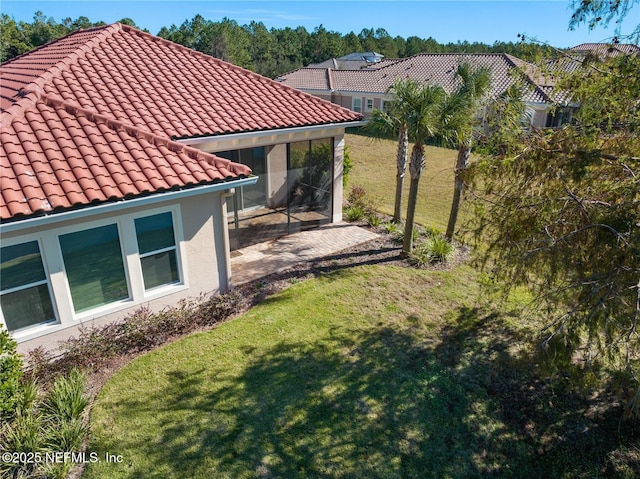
(52, 218)
(235, 141)
(373, 94)
(266, 133)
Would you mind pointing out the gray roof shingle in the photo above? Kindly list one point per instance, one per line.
(434, 68)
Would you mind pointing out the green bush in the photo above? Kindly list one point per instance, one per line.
(10, 375)
(396, 231)
(354, 213)
(347, 166)
(66, 400)
(433, 231)
(390, 227)
(23, 434)
(53, 423)
(435, 249)
(374, 220)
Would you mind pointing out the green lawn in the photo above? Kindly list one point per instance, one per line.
(374, 168)
(367, 372)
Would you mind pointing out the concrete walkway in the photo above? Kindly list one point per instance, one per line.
(257, 261)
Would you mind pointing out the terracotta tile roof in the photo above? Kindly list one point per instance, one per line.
(91, 118)
(437, 68)
(172, 90)
(31, 67)
(54, 156)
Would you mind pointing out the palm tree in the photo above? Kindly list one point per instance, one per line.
(394, 121)
(424, 111)
(459, 111)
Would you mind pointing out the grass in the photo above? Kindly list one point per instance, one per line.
(374, 168)
(366, 372)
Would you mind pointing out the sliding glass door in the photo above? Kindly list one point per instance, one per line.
(300, 178)
(309, 179)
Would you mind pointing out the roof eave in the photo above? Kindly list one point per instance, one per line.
(90, 210)
(202, 140)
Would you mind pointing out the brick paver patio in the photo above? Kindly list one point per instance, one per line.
(257, 261)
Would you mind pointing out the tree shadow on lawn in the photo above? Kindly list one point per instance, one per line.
(385, 402)
(556, 429)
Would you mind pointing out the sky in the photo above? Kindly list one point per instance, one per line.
(446, 21)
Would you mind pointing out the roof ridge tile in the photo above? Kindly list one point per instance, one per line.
(52, 72)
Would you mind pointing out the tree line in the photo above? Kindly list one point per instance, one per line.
(270, 52)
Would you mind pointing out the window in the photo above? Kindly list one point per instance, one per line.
(24, 289)
(558, 117)
(157, 249)
(369, 104)
(94, 266)
(386, 106)
(357, 105)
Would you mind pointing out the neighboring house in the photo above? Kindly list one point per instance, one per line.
(363, 90)
(352, 61)
(606, 49)
(574, 58)
(131, 166)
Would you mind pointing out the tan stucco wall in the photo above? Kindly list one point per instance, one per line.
(201, 230)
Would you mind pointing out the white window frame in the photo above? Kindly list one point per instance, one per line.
(47, 281)
(114, 305)
(131, 259)
(177, 239)
(369, 102)
(357, 108)
(56, 276)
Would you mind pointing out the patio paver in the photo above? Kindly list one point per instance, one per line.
(257, 261)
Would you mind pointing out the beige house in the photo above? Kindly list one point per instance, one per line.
(131, 167)
(364, 89)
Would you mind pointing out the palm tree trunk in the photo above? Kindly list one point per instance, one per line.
(415, 169)
(403, 147)
(464, 152)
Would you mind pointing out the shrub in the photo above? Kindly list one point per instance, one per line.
(140, 331)
(397, 232)
(436, 249)
(347, 165)
(390, 227)
(441, 248)
(357, 196)
(374, 220)
(66, 401)
(433, 231)
(10, 375)
(53, 423)
(23, 434)
(354, 213)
